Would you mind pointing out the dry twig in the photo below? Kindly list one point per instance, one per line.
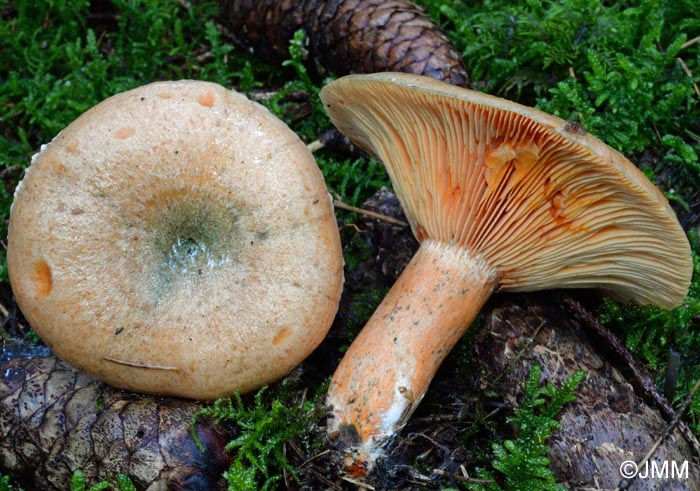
(357, 483)
(462, 477)
(379, 216)
(689, 74)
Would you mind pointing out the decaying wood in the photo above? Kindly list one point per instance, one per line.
(607, 424)
(346, 36)
(55, 421)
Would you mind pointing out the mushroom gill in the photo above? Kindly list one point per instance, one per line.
(501, 197)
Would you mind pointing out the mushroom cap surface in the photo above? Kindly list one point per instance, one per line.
(177, 239)
(546, 204)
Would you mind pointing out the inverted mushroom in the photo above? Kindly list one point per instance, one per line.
(501, 197)
(177, 239)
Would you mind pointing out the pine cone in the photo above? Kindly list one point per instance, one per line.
(55, 420)
(347, 36)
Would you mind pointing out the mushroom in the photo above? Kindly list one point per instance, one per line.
(177, 239)
(501, 197)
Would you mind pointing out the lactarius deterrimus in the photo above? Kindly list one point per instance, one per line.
(501, 197)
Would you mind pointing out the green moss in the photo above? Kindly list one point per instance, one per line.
(122, 483)
(308, 128)
(522, 464)
(7, 485)
(263, 429)
(618, 69)
(78, 483)
(354, 180)
(58, 66)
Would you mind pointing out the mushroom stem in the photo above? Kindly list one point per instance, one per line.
(385, 373)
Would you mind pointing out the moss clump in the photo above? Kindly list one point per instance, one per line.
(627, 73)
(522, 463)
(263, 428)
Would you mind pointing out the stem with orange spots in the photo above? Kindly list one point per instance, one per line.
(387, 370)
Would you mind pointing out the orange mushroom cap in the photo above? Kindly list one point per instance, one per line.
(500, 197)
(544, 203)
(177, 239)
